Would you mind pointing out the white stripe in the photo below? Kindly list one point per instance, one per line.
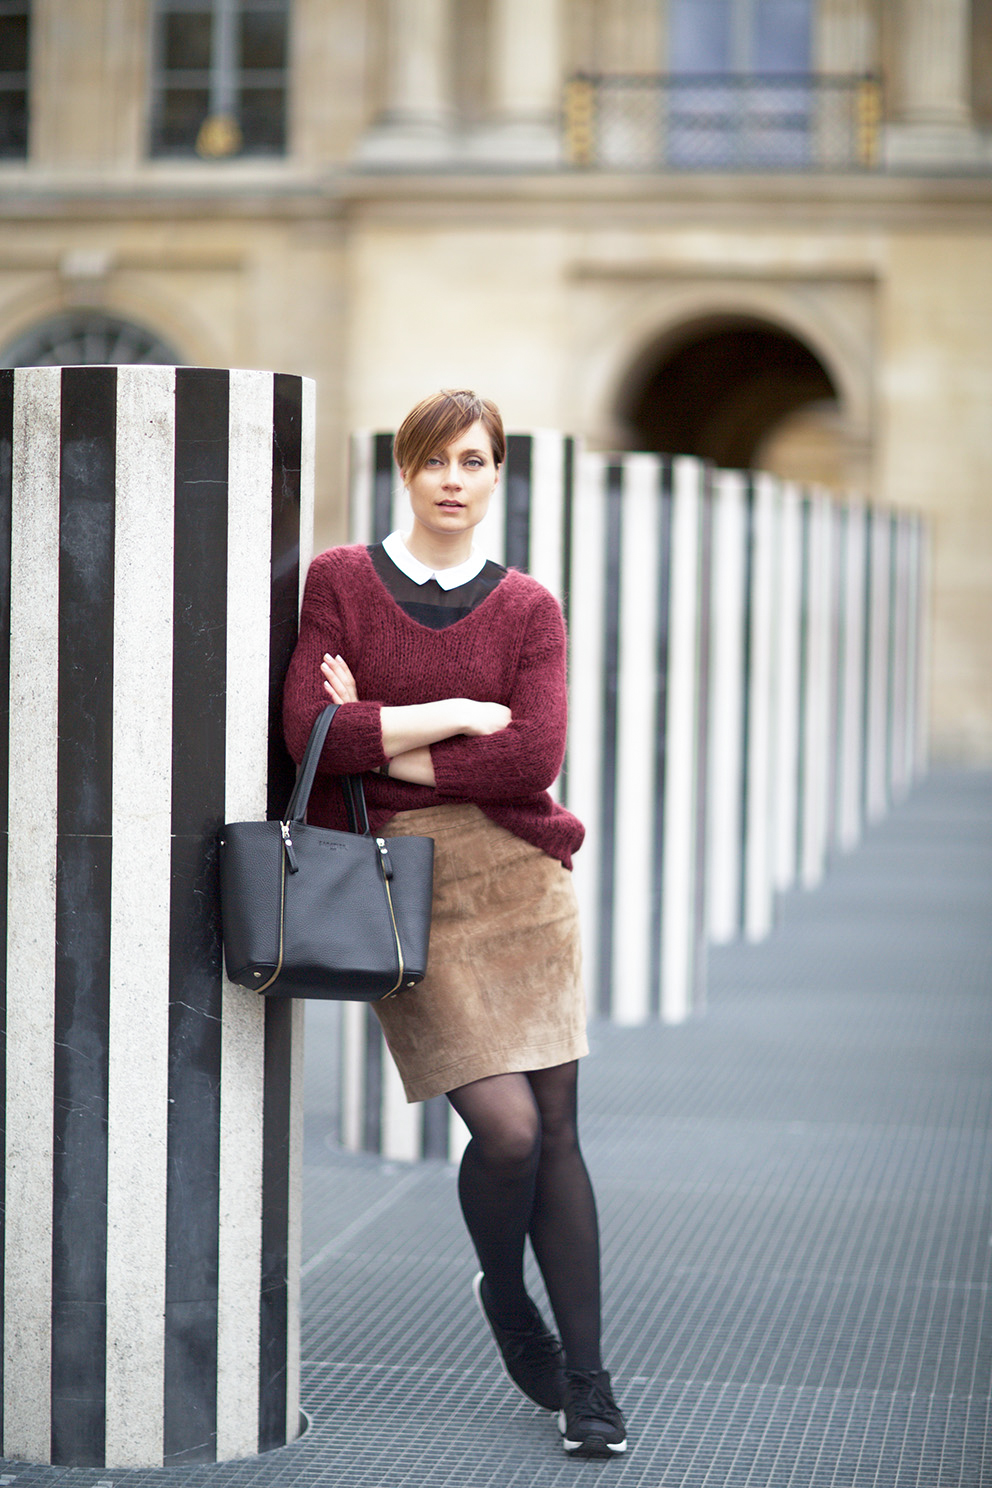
(726, 708)
(679, 877)
(637, 687)
(818, 740)
(758, 884)
(898, 753)
(585, 754)
(852, 680)
(308, 439)
(400, 1127)
(786, 700)
(242, 1088)
(137, 1135)
(31, 914)
(877, 795)
(352, 1075)
(361, 477)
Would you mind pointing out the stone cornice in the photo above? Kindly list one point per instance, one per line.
(563, 198)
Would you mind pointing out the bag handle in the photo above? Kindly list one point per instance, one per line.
(351, 785)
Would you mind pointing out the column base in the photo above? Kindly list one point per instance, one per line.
(515, 142)
(908, 146)
(405, 143)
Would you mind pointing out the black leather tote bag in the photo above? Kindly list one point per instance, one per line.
(311, 912)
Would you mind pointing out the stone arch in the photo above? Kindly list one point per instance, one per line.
(85, 336)
(174, 325)
(821, 430)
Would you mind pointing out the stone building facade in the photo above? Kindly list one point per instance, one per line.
(755, 230)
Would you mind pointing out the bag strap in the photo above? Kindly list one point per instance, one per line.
(351, 785)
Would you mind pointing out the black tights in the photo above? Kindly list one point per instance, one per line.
(523, 1174)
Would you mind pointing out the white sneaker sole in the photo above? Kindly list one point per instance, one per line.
(578, 1446)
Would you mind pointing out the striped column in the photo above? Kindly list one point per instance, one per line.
(787, 686)
(878, 658)
(158, 522)
(725, 806)
(818, 659)
(851, 685)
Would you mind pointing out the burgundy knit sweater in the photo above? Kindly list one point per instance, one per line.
(510, 650)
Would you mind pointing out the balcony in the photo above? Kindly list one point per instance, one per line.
(722, 122)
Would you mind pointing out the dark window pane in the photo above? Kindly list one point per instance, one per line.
(13, 43)
(263, 120)
(182, 112)
(13, 125)
(186, 41)
(263, 40)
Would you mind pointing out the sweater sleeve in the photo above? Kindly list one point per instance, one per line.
(354, 741)
(524, 758)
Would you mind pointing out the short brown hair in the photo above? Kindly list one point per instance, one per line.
(439, 419)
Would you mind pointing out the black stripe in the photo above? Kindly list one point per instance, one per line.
(518, 480)
(698, 970)
(382, 486)
(274, 1301)
(663, 599)
(6, 509)
(82, 924)
(198, 748)
(613, 499)
(744, 815)
(287, 434)
(372, 1115)
(284, 588)
(434, 1128)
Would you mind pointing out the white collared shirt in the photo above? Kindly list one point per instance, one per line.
(448, 578)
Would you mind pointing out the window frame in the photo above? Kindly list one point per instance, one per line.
(225, 81)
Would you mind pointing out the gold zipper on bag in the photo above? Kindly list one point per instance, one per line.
(282, 920)
(396, 934)
(387, 873)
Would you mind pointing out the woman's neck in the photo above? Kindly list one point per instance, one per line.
(436, 550)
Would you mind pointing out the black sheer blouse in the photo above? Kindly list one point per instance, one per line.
(428, 603)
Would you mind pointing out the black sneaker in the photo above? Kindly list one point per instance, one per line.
(531, 1355)
(591, 1422)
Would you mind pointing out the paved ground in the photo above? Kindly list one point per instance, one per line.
(795, 1202)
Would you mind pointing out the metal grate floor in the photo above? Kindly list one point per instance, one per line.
(795, 1198)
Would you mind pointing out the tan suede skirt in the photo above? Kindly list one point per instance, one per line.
(503, 990)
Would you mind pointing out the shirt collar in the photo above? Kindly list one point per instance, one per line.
(449, 578)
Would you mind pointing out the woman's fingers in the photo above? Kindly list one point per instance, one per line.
(338, 680)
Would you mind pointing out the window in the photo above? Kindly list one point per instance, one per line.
(87, 338)
(219, 78)
(15, 19)
(742, 91)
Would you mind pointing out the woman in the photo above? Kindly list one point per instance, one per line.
(450, 675)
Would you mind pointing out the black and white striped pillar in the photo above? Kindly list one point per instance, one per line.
(158, 523)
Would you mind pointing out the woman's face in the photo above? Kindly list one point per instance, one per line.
(451, 493)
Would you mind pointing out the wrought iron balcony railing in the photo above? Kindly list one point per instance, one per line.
(722, 122)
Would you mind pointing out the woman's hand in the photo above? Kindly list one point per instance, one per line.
(339, 684)
(484, 718)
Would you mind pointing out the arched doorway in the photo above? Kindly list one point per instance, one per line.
(743, 392)
(88, 338)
